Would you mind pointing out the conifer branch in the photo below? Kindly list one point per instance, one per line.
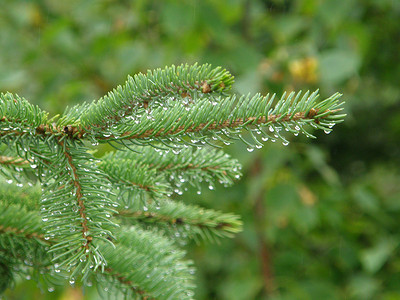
(76, 199)
(226, 117)
(26, 196)
(145, 260)
(22, 243)
(16, 161)
(19, 116)
(178, 166)
(68, 229)
(25, 227)
(79, 197)
(11, 218)
(185, 221)
(144, 91)
(133, 180)
(123, 281)
(14, 168)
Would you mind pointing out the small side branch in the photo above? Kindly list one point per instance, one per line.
(232, 124)
(19, 231)
(79, 196)
(151, 217)
(16, 161)
(123, 280)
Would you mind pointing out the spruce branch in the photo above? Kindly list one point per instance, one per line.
(144, 258)
(18, 116)
(184, 221)
(15, 168)
(157, 173)
(76, 207)
(110, 219)
(15, 161)
(26, 196)
(225, 118)
(146, 91)
(133, 181)
(202, 164)
(23, 241)
(12, 216)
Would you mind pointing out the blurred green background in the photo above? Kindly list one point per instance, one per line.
(321, 217)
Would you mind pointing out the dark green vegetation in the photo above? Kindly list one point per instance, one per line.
(321, 220)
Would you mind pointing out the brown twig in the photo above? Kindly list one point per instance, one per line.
(264, 251)
(9, 160)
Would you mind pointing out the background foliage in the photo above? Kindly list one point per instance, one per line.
(321, 219)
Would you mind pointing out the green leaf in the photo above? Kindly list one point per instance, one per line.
(338, 65)
(375, 257)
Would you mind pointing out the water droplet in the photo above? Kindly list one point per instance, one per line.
(33, 166)
(72, 281)
(176, 151)
(271, 128)
(51, 289)
(45, 219)
(297, 127)
(198, 192)
(211, 187)
(178, 191)
(327, 131)
(9, 181)
(285, 143)
(250, 149)
(190, 293)
(145, 208)
(265, 138)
